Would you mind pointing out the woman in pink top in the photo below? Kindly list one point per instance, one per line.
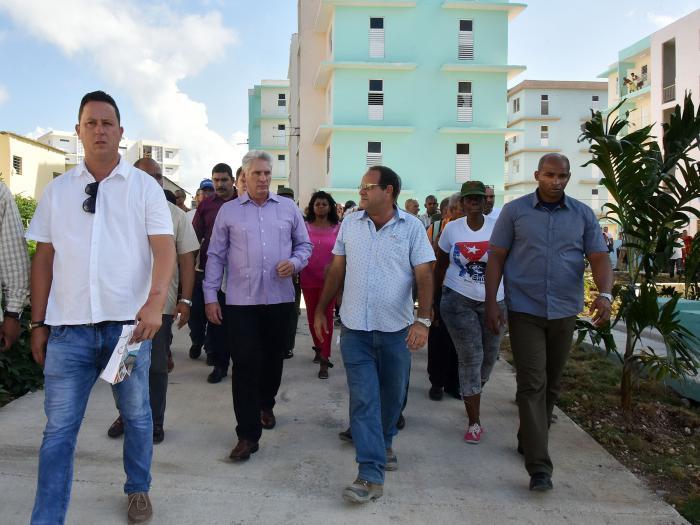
(322, 224)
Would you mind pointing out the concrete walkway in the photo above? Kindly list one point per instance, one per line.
(298, 475)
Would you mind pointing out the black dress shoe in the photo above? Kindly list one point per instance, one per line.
(117, 428)
(435, 393)
(289, 354)
(541, 481)
(158, 434)
(345, 435)
(268, 419)
(216, 375)
(243, 450)
(401, 422)
(195, 351)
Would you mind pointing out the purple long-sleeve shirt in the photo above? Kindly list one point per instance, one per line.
(250, 241)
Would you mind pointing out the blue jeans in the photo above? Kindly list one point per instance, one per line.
(377, 365)
(74, 359)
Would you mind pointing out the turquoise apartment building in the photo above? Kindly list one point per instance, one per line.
(420, 87)
(268, 126)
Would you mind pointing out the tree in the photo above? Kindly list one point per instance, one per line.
(652, 192)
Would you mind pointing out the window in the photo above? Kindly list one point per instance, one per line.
(544, 135)
(515, 166)
(17, 165)
(465, 42)
(464, 102)
(281, 137)
(645, 71)
(595, 102)
(516, 105)
(544, 104)
(374, 154)
(328, 159)
(282, 100)
(376, 38)
(168, 154)
(375, 100)
(281, 158)
(463, 164)
(64, 140)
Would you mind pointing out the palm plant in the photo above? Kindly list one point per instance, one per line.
(652, 191)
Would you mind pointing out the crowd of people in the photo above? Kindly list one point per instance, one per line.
(112, 252)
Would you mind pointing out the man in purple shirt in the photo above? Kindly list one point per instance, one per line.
(261, 240)
(203, 223)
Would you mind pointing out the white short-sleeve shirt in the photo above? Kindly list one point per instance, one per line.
(102, 262)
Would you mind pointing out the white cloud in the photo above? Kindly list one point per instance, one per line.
(4, 95)
(661, 20)
(144, 52)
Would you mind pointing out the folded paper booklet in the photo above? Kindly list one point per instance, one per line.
(123, 357)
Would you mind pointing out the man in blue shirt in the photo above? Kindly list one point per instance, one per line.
(377, 254)
(538, 246)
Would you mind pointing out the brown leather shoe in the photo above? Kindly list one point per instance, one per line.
(267, 419)
(243, 450)
(140, 509)
(117, 428)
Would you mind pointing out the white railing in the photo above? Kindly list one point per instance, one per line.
(669, 93)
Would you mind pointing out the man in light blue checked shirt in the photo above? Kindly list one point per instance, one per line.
(14, 269)
(378, 252)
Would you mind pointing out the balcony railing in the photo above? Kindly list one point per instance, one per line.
(669, 93)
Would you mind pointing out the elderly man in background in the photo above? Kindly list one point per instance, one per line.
(262, 242)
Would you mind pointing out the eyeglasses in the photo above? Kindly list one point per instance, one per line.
(368, 186)
(89, 203)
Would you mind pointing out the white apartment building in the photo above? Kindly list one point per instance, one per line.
(551, 113)
(167, 155)
(654, 74)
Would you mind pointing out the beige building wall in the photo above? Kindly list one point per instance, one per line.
(313, 49)
(27, 166)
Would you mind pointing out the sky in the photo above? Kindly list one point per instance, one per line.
(180, 70)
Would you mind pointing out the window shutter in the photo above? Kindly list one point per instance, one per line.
(544, 104)
(374, 154)
(376, 38)
(465, 44)
(464, 102)
(544, 135)
(463, 164)
(375, 100)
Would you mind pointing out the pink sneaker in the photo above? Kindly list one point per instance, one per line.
(473, 434)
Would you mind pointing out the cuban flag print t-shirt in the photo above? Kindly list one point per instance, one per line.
(469, 253)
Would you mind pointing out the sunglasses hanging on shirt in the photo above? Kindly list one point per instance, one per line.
(89, 203)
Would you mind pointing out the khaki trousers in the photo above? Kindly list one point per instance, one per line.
(540, 349)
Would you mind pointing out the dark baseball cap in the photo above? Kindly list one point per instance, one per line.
(473, 187)
(206, 184)
(286, 192)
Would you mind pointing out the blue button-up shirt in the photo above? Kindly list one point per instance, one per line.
(379, 270)
(543, 273)
(249, 241)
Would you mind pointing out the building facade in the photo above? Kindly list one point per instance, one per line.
(551, 113)
(368, 92)
(27, 166)
(167, 155)
(268, 126)
(653, 75)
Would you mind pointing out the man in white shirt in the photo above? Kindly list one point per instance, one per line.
(489, 209)
(105, 257)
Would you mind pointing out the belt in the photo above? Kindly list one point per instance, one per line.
(102, 324)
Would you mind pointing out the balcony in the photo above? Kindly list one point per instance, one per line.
(668, 94)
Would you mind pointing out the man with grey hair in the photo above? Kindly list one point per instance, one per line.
(261, 240)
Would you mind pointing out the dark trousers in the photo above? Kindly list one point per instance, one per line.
(258, 337)
(442, 359)
(158, 373)
(540, 349)
(217, 338)
(198, 319)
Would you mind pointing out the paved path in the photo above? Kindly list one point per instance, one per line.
(298, 475)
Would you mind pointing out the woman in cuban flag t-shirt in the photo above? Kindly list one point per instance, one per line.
(461, 269)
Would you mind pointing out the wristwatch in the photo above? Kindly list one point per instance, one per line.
(185, 301)
(424, 321)
(12, 315)
(37, 324)
(607, 296)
